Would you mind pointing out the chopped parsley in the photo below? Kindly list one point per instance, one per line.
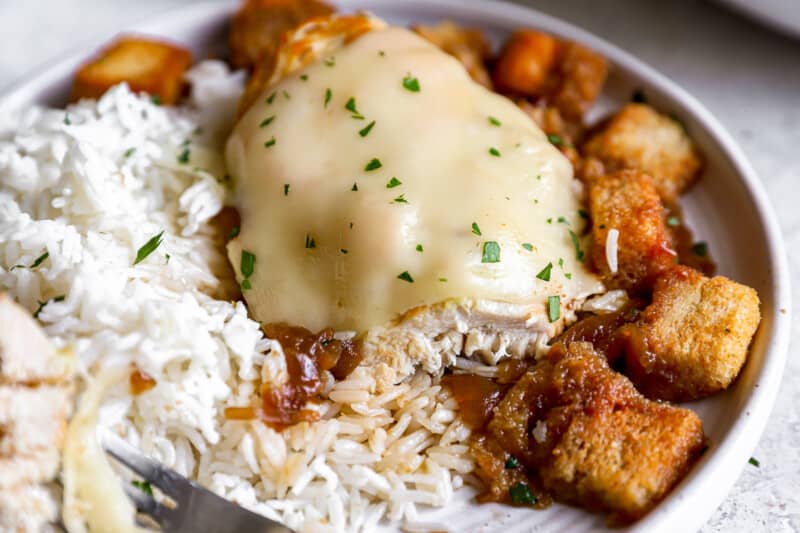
(330, 62)
(266, 122)
(351, 106)
(374, 164)
(475, 229)
(411, 84)
(247, 264)
(419, 248)
(563, 220)
(343, 250)
(304, 77)
(310, 243)
(354, 188)
(271, 98)
(183, 158)
(365, 131)
(494, 122)
(381, 53)
(553, 308)
(561, 263)
(700, 249)
(328, 95)
(286, 95)
(528, 246)
(270, 142)
(545, 273)
(67, 121)
(156, 99)
(583, 214)
(512, 462)
(39, 260)
(567, 275)
(491, 252)
(494, 151)
(394, 182)
(443, 280)
(143, 486)
(673, 221)
(286, 189)
(577, 244)
(400, 199)
(148, 248)
(246, 285)
(234, 232)
(59, 298)
(753, 461)
(129, 152)
(521, 494)
(555, 139)
(405, 276)
(549, 220)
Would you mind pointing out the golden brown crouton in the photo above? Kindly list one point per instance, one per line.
(525, 63)
(145, 64)
(627, 201)
(468, 45)
(590, 437)
(582, 74)
(257, 26)
(639, 137)
(693, 339)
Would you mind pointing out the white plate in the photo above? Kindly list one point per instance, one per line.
(728, 208)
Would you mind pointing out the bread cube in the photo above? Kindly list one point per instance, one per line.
(258, 25)
(627, 201)
(582, 74)
(525, 63)
(638, 137)
(695, 336)
(468, 45)
(145, 64)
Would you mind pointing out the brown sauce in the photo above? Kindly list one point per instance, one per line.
(600, 330)
(690, 253)
(307, 356)
(476, 397)
(140, 382)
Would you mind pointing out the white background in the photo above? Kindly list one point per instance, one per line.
(748, 76)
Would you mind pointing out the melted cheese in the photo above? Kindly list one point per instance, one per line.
(297, 160)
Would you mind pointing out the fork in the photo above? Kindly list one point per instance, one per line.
(195, 508)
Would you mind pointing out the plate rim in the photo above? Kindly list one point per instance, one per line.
(691, 503)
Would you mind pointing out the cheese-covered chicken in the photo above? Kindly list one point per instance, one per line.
(383, 191)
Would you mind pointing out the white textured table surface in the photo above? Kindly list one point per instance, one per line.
(746, 75)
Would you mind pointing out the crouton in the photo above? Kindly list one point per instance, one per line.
(146, 65)
(257, 26)
(591, 437)
(582, 74)
(693, 339)
(627, 201)
(639, 137)
(468, 45)
(525, 63)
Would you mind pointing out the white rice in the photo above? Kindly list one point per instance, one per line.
(71, 186)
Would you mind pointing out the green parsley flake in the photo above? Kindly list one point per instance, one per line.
(286, 189)
(381, 53)
(129, 152)
(156, 99)
(394, 182)
(512, 462)
(330, 62)
(555, 139)
(528, 246)
(310, 243)
(354, 188)
(700, 249)
(365, 131)
(411, 84)
(148, 248)
(673, 221)
(304, 77)
(568, 275)
(400, 199)
(549, 220)
(271, 98)
(246, 285)
(351, 106)
(563, 220)
(67, 121)
(328, 95)
(475, 229)
(443, 280)
(183, 158)
(521, 494)
(374, 164)
(270, 142)
(39, 260)
(494, 151)
(583, 214)
(419, 248)
(234, 232)
(577, 244)
(545, 273)
(491, 252)
(753, 461)
(553, 308)
(247, 264)
(143, 486)
(266, 122)
(343, 250)
(494, 122)
(286, 95)
(405, 276)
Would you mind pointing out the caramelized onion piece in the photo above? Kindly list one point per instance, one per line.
(476, 397)
(140, 382)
